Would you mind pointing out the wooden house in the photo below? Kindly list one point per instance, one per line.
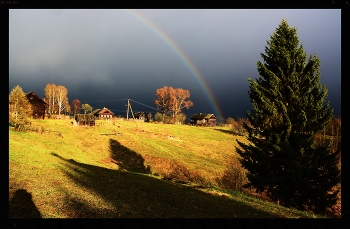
(38, 105)
(84, 120)
(203, 119)
(103, 113)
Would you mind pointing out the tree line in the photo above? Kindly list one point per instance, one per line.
(170, 102)
(56, 97)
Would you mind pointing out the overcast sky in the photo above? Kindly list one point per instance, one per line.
(106, 56)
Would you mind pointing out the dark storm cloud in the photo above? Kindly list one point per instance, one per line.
(118, 54)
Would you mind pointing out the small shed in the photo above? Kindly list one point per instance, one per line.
(38, 105)
(84, 120)
(140, 116)
(103, 113)
(203, 119)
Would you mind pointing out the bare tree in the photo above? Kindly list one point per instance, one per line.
(50, 91)
(56, 97)
(76, 104)
(149, 117)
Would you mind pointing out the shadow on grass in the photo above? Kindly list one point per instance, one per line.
(225, 131)
(134, 195)
(22, 206)
(231, 132)
(127, 159)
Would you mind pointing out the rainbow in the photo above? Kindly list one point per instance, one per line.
(181, 54)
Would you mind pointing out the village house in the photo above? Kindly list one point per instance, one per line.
(103, 114)
(203, 119)
(38, 105)
(84, 120)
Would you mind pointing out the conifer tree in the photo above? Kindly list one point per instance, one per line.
(289, 109)
(19, 107)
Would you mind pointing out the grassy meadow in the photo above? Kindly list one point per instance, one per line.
(128, 169)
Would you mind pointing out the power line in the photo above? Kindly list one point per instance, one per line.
(115, 100)
(112, 100)
(143, 104)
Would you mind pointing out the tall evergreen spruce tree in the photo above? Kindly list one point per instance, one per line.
(289, 109)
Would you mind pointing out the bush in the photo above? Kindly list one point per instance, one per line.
(180, 118)
(175, 170)
(168, 119)
(234, 177)
(230, 120)
(158, 117)
(238, 128)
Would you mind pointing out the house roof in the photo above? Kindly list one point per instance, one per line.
(202, 116)
(84, 117)
(35, 95)
(138, 114)
(101, 111)
(95, 112)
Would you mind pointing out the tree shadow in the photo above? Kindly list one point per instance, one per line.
(232, 132)
(134, 195)
(22, 206)
(225, 131)
(127, 159)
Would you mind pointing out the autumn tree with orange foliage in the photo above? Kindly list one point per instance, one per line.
(162, 102)
(76, 104)
(171, 101)
(178, 100)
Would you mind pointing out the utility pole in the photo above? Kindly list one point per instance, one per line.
(127, 112)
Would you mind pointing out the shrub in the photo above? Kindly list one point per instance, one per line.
(175, 170)
(180, 118)
(238, 128)
(158, 117)
(234, 177)
(230, 120)
(168, 119)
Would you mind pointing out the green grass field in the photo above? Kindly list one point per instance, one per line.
(117, 170)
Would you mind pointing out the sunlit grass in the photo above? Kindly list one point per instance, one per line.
(77, 173)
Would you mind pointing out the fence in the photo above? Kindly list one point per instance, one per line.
(23, 127)
(39, 129)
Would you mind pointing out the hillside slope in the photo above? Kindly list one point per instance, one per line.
(127, 169)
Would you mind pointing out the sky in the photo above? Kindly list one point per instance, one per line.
(104, 57)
